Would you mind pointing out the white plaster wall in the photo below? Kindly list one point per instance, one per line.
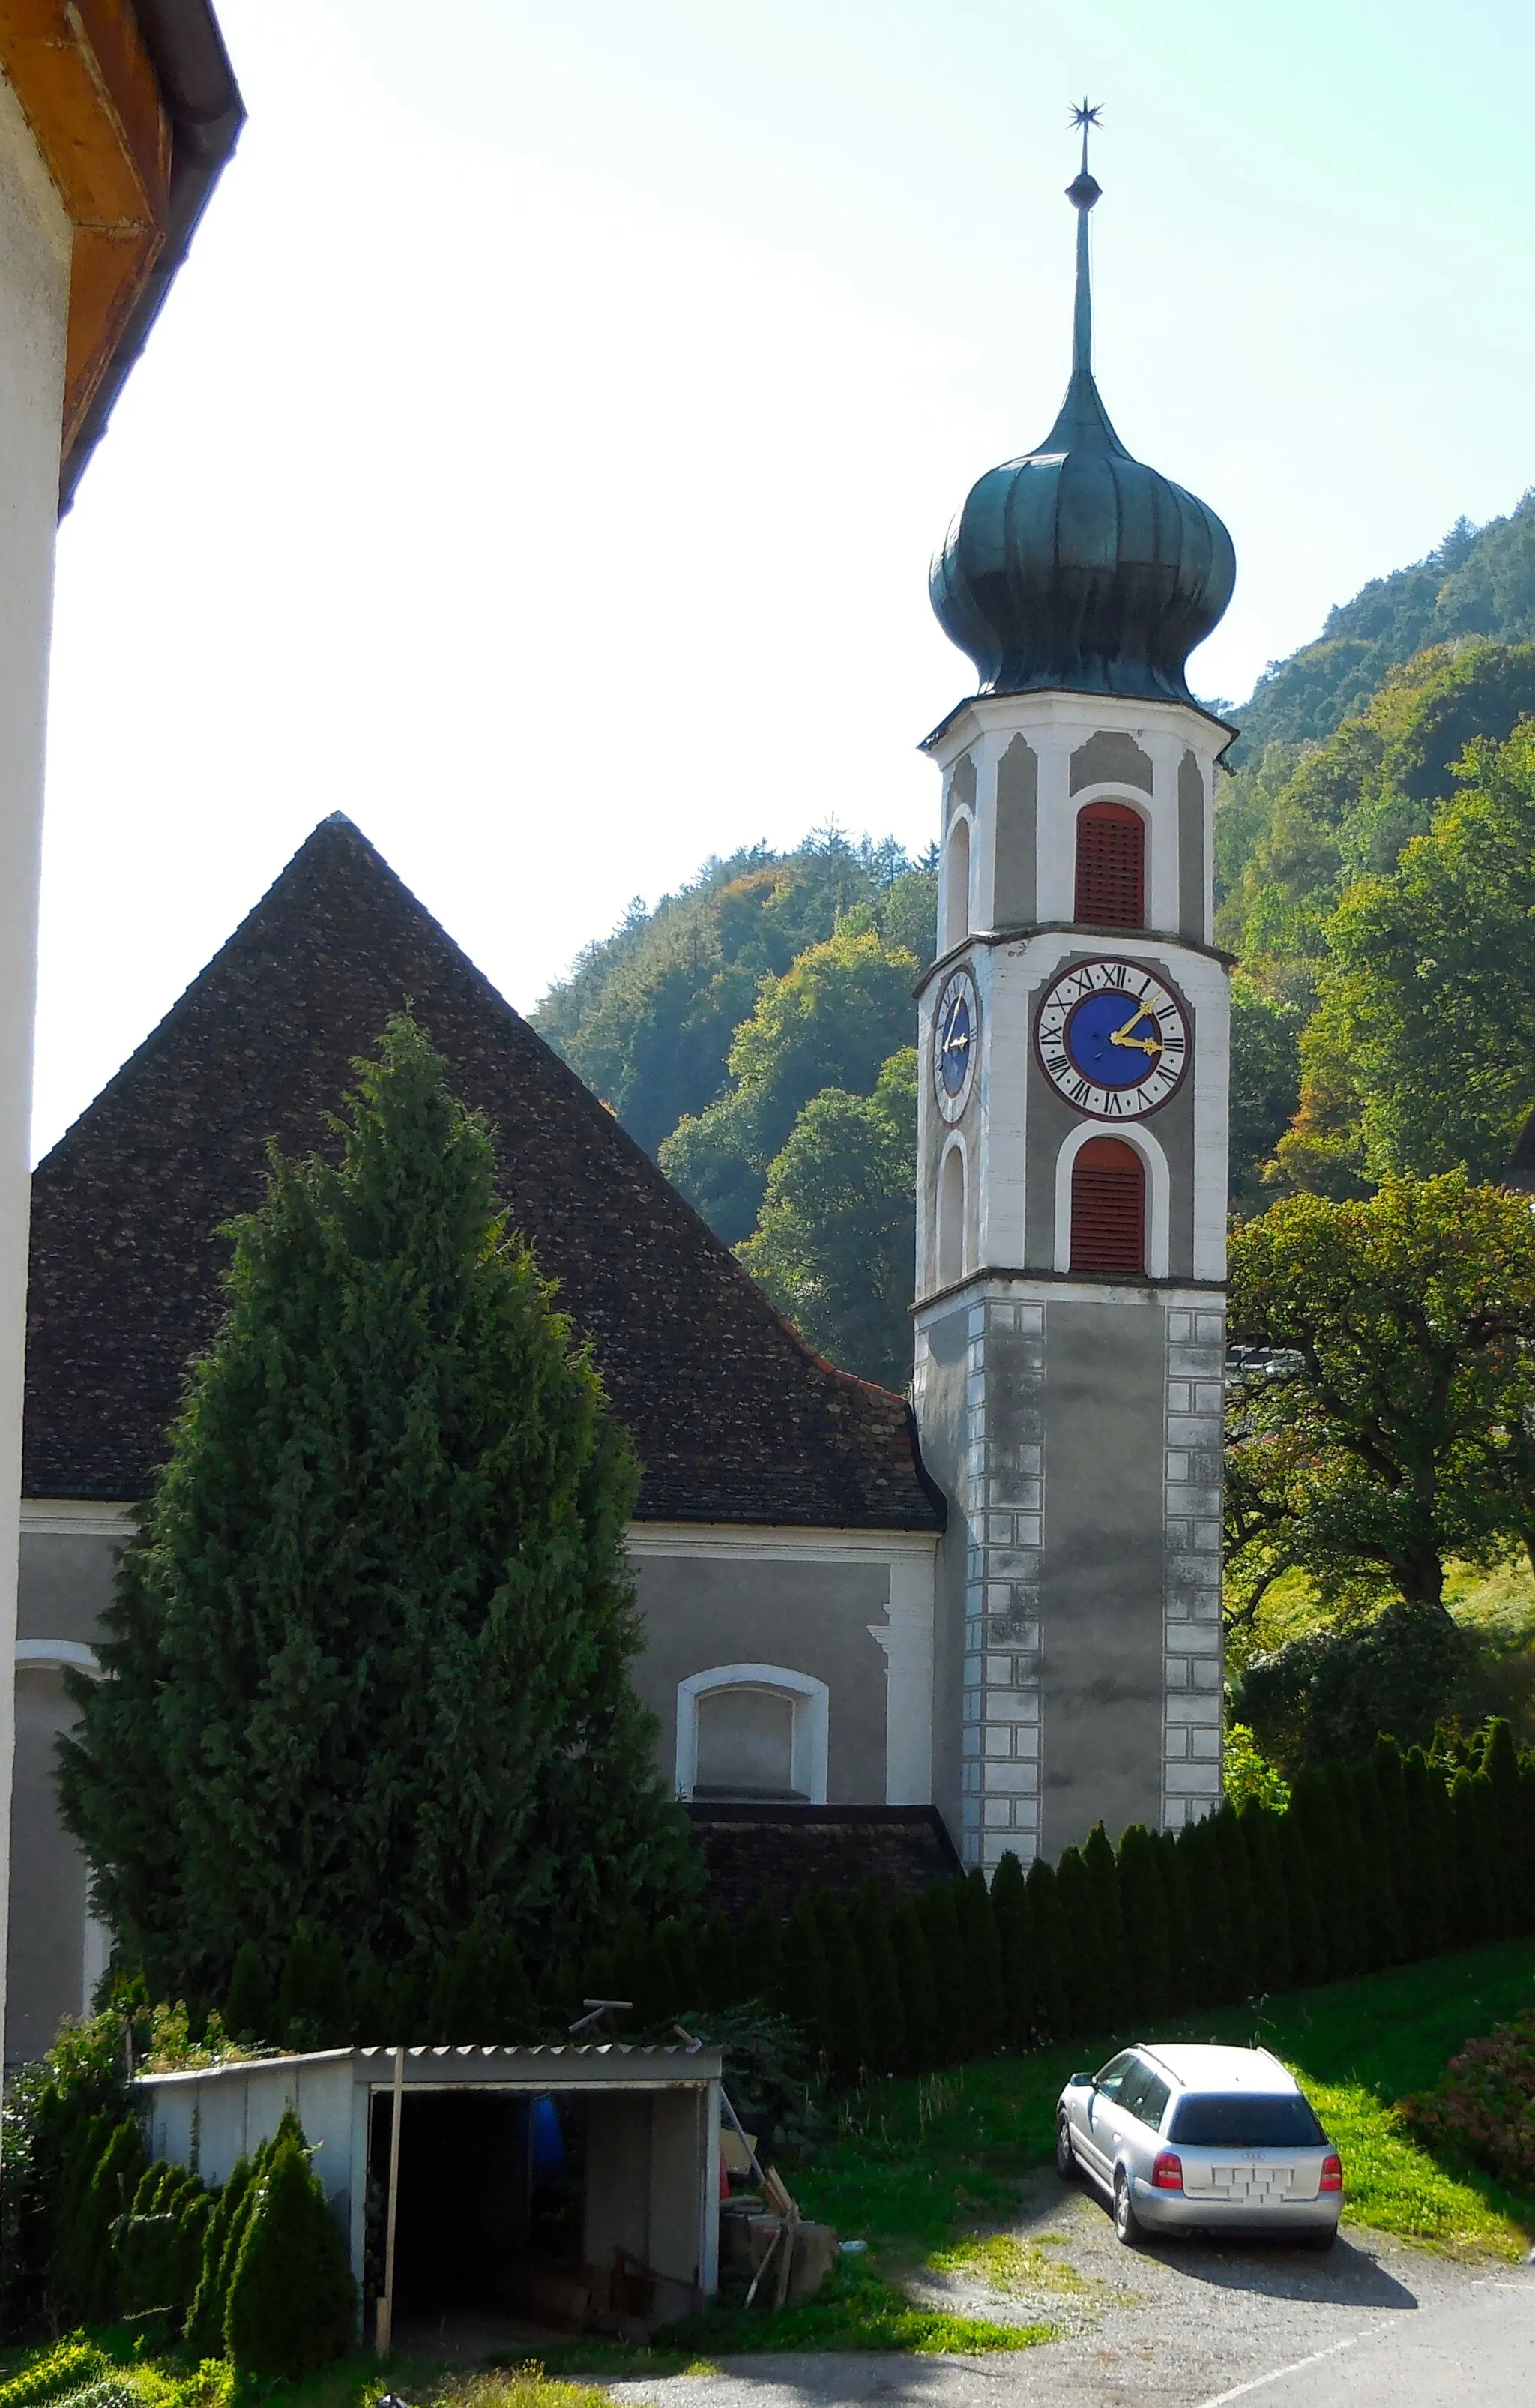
(35, 255)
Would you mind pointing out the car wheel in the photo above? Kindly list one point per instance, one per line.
(1066, 2155)
(1126, 2222)
(1321, 2242)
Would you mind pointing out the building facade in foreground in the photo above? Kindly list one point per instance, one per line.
(116, 116)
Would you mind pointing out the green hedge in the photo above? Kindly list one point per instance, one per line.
(1371, 1865)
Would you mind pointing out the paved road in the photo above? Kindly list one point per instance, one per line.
(1184, 2326)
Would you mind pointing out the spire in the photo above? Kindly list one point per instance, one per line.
(1083, 191)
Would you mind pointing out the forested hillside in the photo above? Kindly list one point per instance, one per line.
(1375, 876)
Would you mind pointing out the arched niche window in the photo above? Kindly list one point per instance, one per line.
(1111, 867)
(956, 883)
(951, 1218)
(751, 1731)
(1107, 1207)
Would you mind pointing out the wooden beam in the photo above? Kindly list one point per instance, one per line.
(90, 95)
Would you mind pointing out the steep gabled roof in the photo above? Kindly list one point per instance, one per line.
(734, 1419)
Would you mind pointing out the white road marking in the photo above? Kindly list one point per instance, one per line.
(1299, 2364)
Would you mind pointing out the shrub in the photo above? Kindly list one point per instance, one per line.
(1483, 2109)
(293, 2303)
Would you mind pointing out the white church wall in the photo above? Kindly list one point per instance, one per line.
(36, 242)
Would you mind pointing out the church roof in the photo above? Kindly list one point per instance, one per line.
(734, 1418)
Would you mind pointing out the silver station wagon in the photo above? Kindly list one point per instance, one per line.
(1186, 2139)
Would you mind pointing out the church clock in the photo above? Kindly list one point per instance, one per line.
(956, 1026)
(1112, 1038)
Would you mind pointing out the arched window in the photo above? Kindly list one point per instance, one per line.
(1111, 867)
(956, 884)
(751, 1731)
(1107, 1207)
(950, 1219)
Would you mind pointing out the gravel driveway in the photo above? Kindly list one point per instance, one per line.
(1180, 2324)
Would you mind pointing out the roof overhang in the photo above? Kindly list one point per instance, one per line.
(135, 108)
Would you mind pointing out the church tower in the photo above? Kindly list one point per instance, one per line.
(1071, 1151)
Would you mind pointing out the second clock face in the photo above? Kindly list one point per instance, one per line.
(1113, 1039)
(956, 1024)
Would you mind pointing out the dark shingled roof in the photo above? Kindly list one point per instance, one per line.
(734, 1418)
(774, 1852)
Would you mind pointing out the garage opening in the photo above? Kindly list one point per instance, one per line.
(520, 2214)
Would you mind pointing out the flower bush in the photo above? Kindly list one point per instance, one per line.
(1484, 2106)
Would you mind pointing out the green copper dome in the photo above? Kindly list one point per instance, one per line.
(1076, 568)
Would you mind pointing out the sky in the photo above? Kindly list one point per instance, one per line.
(540, 454)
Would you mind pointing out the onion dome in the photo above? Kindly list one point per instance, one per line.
(1076, 568)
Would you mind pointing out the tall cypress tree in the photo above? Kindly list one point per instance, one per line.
(1111, 2002)
(1426, 1919)
(884, 2026)
(952, 2041)
(1169, 1858)
(1500, 1767)
(1209, 1982)
(914, 1979)
(1240, 1972)
(1013, 1910)
(847, 2009)
(1049, 2004)
(982, 1947)
(1353, 1930)
(370, 1655)
(1143, 1907)
(1311, 1810)
(760, 1959)
(802, 1972)
(1082, 1986)
(1380, 1914)
(1272, 1961)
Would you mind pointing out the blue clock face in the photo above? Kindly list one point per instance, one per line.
(956, 1026)
(1112, 1038)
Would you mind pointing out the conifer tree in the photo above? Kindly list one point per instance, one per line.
(370, 1656)
(983, 1962)
(914, 1980)
(1180, 1920)
(1210, 1974)
(1385, 1756)
(1242, 1951)
(884, 2024)
(1354, 1928)
(1312, 1815)
(1048, 1997)
(951, 2042)
(1111, 2000)
(250, 2012)
(1428, 1857)
(462, 2011)
(514, 2015)
(1013, 1910)
(1379, 1912)
(761, 1954)
(1500, 1767)
(1272, 1965)
(846, 2010)
(1082, 1986)
(204, 2318)
(803, 1975)
(716, 1956)
(1144, 1910)
(86, 2268)
(1473, 1812)
(293, 2303)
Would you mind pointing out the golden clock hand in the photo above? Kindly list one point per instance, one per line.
(1142, 1044)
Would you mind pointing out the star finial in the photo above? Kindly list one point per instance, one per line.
(1084, 189)
(1084, 117)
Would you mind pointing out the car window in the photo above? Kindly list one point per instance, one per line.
(1152, 2103)
(1247, 2120)
(1133, 2088)
(1110, 2081)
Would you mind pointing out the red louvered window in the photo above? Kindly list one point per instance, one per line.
(1107, 1208)
(1111, 867)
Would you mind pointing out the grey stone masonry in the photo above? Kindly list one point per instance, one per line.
(1001, 1497)
(1192, 1747)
